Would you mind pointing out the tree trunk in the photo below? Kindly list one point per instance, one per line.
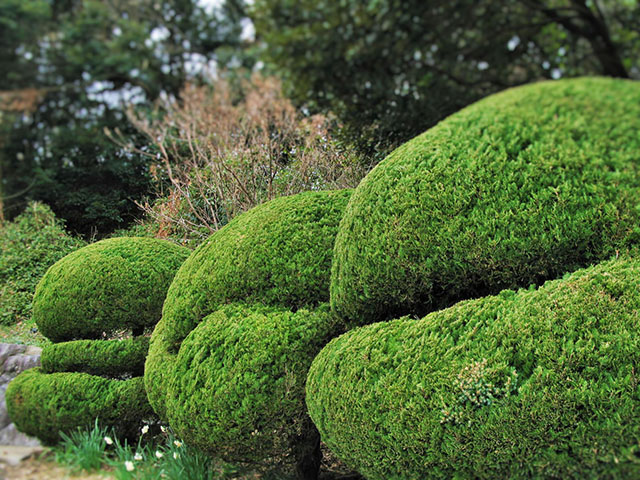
(309, 457)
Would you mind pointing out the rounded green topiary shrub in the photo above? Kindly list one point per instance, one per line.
(111, 358)
(238, 386)
(279, 253)
(534, 384)
(114, 284)
(43, 405)
(229, 378)
(518, 188)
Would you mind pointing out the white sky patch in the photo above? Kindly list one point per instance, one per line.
(513, 43)
(248, 30)
(210, 5)
(160, 34)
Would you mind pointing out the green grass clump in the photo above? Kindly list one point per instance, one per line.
(29, 245)
(534, 384)
(44, 404)
(518, 188)
(114, 284)
(99, 450)
(279, 253)
(83, 450)
(111, 358)
(238, 386)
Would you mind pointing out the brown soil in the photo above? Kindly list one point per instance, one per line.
(43, 468)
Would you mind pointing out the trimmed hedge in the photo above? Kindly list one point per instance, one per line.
(534, 384)
(118, 283)
(42, 405)
(278, 253)
(230, 379)
(111, 285)
(518, 188)
(111, 358)
(238, 386)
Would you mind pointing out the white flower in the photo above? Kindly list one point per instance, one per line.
(137, 456)
(159, 454)
(108, 440)
(177, 443)
(145, 429)
(175, 455)
(129, 466)
(163, 428)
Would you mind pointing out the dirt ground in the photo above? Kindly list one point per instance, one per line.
(42, 468)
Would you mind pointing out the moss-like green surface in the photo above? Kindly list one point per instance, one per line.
(111, 358)
(42, 405)
(114, 284)
(238, 386)
(534, 384)
(278, 253)
(518, 188)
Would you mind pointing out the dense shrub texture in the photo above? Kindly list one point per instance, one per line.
(29, 245)
(114, 284)
(515, 189)
(42, 405)
(233, 386)
(278, 253)
(534, 384)
(110, 358)
(238, 389)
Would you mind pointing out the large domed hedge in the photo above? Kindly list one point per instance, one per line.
(534, 384)
(118, 283)
(518, 188)
(238, 389)
(217, 383)
(279, 253)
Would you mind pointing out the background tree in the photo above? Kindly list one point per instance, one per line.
(392, 68)
(86, 59)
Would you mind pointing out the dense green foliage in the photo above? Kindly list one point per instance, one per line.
(534, 384)
(392, 69)
(42, 405)
(277, 255)
(110, 358)
(518, 188)
(114, 284)
(238, 386)
(85, 60)
(111, 286)
(29, 245)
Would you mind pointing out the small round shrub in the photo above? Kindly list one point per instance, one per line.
(43, 405)
(516, 189)
(110, 358)
(238, 386)
(114, 284)
(534, 384)
(278, 253)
